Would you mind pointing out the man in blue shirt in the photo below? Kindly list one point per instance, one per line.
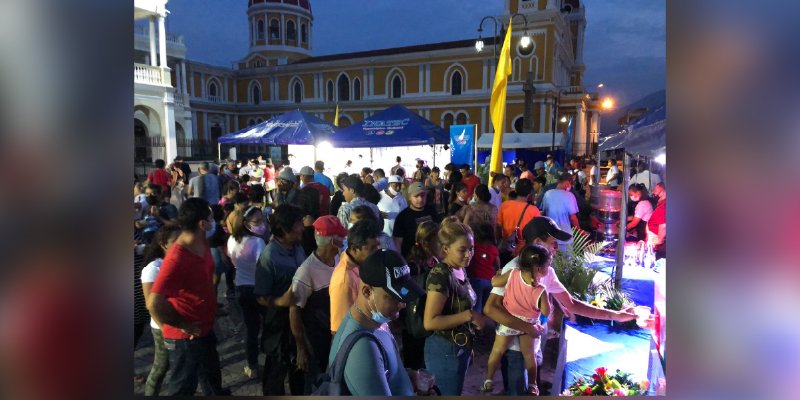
(386, 287)
(381, 181)
(560, 205)
(319, 176)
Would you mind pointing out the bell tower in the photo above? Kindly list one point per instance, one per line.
(280, 32)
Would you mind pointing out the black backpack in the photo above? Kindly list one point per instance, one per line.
(331, 382)
(415, 310)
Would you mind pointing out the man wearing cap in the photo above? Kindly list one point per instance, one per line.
(407, 221)
(353, 191)
(469, 179)
(319, 176)
(392, 202)
(386, 286)
(362, 240)
(287, 190)
(312, 190)
(526, 172)
(381, 182)
(309, 313)
(542, 231)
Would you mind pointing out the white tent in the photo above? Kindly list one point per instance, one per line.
(522, 140)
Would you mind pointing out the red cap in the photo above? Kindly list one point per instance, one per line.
(328, 225)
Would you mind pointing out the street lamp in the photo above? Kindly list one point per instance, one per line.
(607, 104)
(563, 119)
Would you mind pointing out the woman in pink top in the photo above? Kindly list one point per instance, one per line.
(521, 299)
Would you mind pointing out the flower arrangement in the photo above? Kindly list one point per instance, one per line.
(603, 384)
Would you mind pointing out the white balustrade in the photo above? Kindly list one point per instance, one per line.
(147, 74)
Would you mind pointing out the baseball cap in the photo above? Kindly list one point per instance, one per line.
(415, 189)
(388, 270)
(306, 171)
(541, 225)
(329, 225)
(395, 179)
(549, 156)
(538, 165)
(287, 174)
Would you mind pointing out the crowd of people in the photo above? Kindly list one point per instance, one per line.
(425, 261)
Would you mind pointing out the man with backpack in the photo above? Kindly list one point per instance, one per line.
(364, 358)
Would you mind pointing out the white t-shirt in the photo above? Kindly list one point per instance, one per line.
(648, 179)
(312, 275)
(612, 173)
(592, 174)
(149, 274)
(244, 256)
(643, 210)
(391, 206)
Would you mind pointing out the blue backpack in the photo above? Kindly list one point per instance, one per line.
(331, 382)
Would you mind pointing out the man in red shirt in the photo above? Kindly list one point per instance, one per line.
(469, 179)
(160, 177)
(657, 225)
(184, 302)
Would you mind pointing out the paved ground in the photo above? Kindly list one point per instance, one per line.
(232, 357)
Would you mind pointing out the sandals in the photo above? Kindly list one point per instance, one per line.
(533, 389)
(488, 386)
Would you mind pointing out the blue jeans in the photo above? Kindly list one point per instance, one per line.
(515, 376)
(193, 360)
(482, 289)
(448, 362)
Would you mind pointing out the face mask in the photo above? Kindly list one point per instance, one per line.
(210, 232)
(472, 201)
(257, 229)
(302, 184)
(458, 273)
(461, 198)
(228, 172)
(376, 315)
(392, 191)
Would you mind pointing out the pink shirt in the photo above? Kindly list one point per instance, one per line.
(522, 299)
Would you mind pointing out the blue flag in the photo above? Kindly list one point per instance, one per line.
(568, 148)
(462, 145)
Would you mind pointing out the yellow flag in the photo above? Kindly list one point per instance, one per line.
(497, 105)
(336, 117)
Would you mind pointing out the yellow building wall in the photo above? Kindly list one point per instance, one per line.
(437, 76)
(201, 128)
(197, 82)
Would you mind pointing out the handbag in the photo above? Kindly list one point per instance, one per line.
(509, 244)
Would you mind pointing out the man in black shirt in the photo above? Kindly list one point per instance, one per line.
(417, 212)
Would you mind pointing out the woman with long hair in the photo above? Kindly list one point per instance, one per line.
(458, 198)
(421, 259)
(448, 309)
(154, 256)
(244, 246)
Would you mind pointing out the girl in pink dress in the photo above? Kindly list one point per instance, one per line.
(521, 299)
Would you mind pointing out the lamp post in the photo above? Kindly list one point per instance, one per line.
(525, 41)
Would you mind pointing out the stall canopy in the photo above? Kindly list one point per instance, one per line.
(645, 136)
(395, 126)
(293, 127)
(522, 140)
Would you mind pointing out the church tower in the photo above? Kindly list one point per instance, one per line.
(280, 32)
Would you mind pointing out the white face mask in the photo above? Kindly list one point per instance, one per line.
(257, 229)
(392, 191)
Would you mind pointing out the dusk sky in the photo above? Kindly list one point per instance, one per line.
(625, 41)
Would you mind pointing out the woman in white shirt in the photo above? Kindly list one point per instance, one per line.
(244, 246)
(154, 256)
(637, 223)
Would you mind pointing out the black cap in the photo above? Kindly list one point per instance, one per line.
(541, 225)
(388, 270)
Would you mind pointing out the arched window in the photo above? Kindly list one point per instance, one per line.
(447, 120)
(212, 90)
(274, 29)
(330, 90)
(260, 30)
(343, 84)
(298, 92)
(291, 32)
(519, 124)
(455, 84)
(256, 95)
(397, 87)
(303, 33)
(356, 89)
(461, 119)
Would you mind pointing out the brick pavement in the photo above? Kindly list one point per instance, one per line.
(230, 334)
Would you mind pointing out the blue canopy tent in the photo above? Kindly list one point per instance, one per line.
(293, 127)
(392, 127)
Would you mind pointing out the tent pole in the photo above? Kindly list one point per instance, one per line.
(219, 151)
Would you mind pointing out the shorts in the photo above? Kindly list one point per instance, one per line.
(503, 330)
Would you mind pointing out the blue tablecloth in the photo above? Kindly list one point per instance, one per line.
(586, 346)
(637, 282)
